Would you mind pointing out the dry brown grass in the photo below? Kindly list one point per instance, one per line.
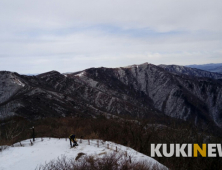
(107, 162)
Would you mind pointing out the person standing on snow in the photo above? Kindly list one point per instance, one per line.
(72, 139)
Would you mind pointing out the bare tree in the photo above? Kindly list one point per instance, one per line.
(13, 130)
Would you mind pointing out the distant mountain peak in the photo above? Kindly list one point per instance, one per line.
(212, 67)
(191, 71)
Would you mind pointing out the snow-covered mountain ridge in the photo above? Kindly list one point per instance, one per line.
(143, 91)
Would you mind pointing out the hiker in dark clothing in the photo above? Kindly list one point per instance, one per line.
(72, 139)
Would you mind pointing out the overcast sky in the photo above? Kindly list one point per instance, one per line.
(69, 35)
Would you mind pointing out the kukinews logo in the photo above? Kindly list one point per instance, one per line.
(186, 150)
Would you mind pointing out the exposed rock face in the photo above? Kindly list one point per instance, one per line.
(142, 90)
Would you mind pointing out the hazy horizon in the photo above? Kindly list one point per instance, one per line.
(106, 67)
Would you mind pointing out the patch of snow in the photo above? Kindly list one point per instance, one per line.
(131, 66)
(17, 81)
(80, 74)
(29, 157)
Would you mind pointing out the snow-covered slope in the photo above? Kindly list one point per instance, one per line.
(28, 157)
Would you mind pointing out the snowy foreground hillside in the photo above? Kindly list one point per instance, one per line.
(27, 157)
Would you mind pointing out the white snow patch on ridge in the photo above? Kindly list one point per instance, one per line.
(80, 74)
(17, 81)
(29, 157)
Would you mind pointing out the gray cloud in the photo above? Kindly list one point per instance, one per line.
(38, 36)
